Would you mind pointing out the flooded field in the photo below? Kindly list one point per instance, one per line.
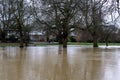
(56, 63)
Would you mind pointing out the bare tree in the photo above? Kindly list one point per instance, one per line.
(6, 17)
(22, 17)
(107, 32)
(64, 16)
(93, 12)
(58, 15)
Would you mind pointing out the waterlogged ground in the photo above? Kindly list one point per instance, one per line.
(55, 63)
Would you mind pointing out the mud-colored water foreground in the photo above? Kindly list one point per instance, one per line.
(56, 63)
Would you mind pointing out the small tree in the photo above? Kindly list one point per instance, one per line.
(93, 17)
(22, 17)
(107, 32)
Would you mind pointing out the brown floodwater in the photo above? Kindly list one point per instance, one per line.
(56, 63)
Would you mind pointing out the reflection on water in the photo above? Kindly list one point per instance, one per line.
(56, 63)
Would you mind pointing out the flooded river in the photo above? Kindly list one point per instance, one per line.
(56, 63)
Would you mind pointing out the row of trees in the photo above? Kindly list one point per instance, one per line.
(66, 16)
(60, 17)
(15, 17)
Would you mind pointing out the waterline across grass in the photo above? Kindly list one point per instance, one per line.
(56, 43)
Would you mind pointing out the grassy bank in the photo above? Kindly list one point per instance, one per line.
(100, 44)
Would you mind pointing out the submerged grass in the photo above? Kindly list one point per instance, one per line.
(101, 44)
(56, 43)
(8, 44)
(73, 43)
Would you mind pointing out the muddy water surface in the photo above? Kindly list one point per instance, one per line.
(55, 63)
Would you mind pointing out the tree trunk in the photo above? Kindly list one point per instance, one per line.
(21, 41)
(26, 41)
(26, 38)
(64, 37)
(21, 37)
(95, 41)
(106, 41)
(60, 41)
(60, 38)
(64, 42)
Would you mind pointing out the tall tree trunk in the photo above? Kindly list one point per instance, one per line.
(26, 38)
(60, 38)
(21, 37)
(65, 36)
(65, 42)
(95, 41)
(21, 41)
(106, 41)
